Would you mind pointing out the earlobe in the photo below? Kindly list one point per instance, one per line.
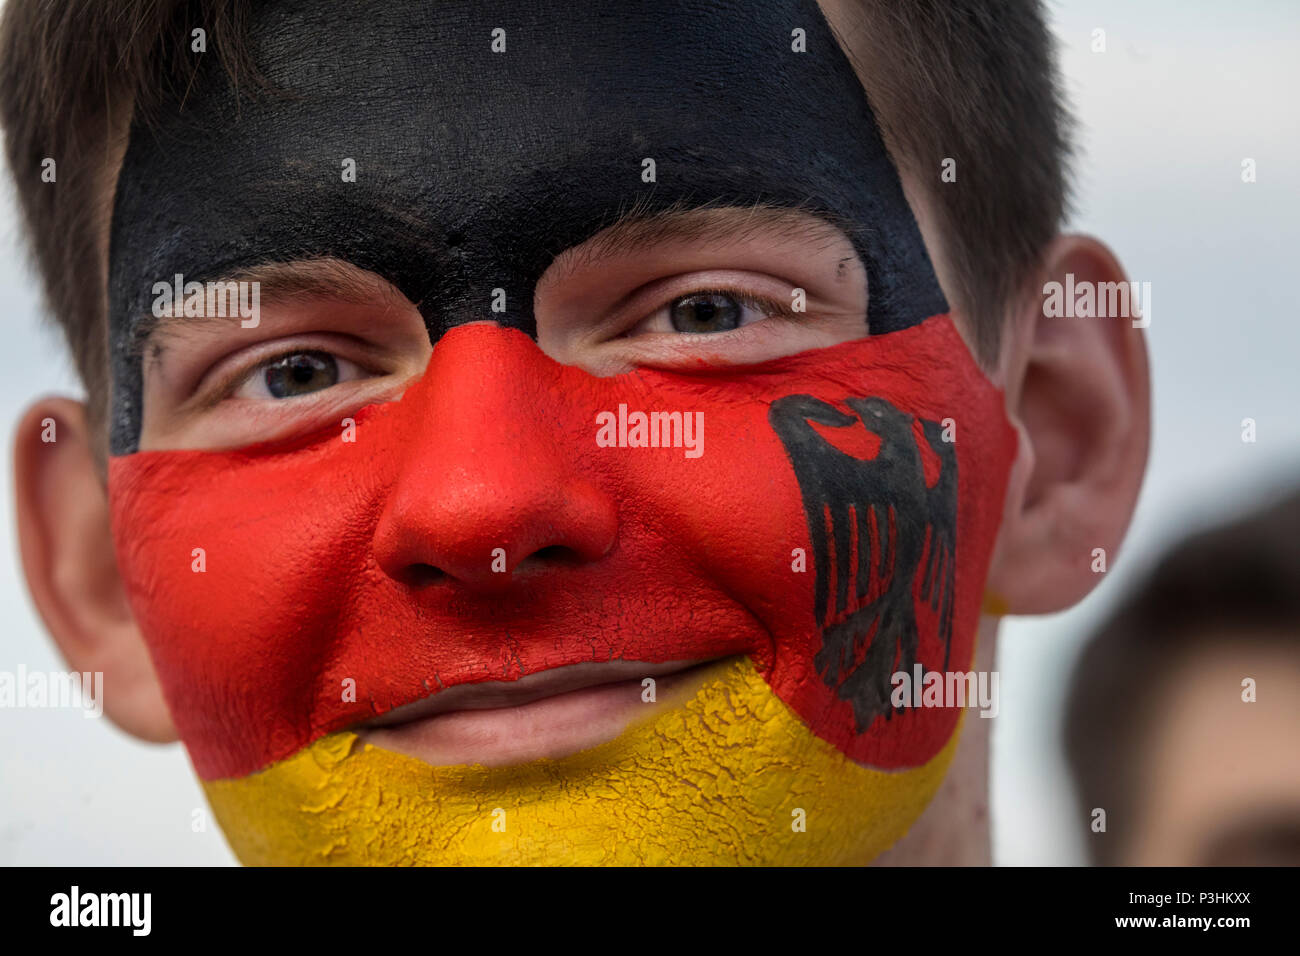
(67, 553)
(1078, 392)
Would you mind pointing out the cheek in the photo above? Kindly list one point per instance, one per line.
(732, 516)
(850, 504)
(240, 571)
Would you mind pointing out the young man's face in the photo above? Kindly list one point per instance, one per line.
(600, 449)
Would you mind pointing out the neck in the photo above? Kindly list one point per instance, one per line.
(954, 829)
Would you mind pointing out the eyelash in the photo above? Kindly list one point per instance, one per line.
(757, 302)
(765, 306)
(238, 378)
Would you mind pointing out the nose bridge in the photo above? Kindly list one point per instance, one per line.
(483, 390)
(488, 475)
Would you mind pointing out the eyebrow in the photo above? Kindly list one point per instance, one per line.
(631, 232)
(277, 282)
(712, 222)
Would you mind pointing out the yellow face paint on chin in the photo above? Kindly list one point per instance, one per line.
(718, 780)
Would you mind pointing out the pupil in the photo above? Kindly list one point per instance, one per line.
(706, 312)
(301, 373)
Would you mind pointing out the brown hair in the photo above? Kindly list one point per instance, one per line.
(975, 82)
(73, 73)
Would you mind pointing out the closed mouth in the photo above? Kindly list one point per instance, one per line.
(548, 714)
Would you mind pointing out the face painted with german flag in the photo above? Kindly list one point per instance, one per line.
(599, 448)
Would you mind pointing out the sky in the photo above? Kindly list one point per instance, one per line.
(1166, 114)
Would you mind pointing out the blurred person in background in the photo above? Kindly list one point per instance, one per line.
(1182, 719)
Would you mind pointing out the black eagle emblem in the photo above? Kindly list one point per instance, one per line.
(869, 626)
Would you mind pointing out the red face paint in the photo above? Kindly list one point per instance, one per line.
(371, 561)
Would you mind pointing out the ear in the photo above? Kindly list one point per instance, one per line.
(67, 553)
(1078, 392)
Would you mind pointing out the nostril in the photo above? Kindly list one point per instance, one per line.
(428, 542)
(554, 552)
(552, 555)
(422, 575)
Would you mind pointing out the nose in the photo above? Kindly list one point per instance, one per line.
(489, 485)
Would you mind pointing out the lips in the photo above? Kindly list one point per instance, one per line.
(525, 690)
(548, 715)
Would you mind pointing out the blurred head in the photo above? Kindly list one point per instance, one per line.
(1182, 715)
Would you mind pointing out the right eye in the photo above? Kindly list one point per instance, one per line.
(295, 374)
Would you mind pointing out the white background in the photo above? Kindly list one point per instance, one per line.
(1183, 93)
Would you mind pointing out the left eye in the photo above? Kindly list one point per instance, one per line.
(708, 312)
(297, 373)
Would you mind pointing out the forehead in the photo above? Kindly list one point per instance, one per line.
(545, 138)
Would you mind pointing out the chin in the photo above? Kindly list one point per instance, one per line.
(725, 774)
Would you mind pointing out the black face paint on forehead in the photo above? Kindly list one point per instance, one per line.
(474, 168)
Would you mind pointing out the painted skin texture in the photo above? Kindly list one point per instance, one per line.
(307, 541)
(718, 781)
(302, 541)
